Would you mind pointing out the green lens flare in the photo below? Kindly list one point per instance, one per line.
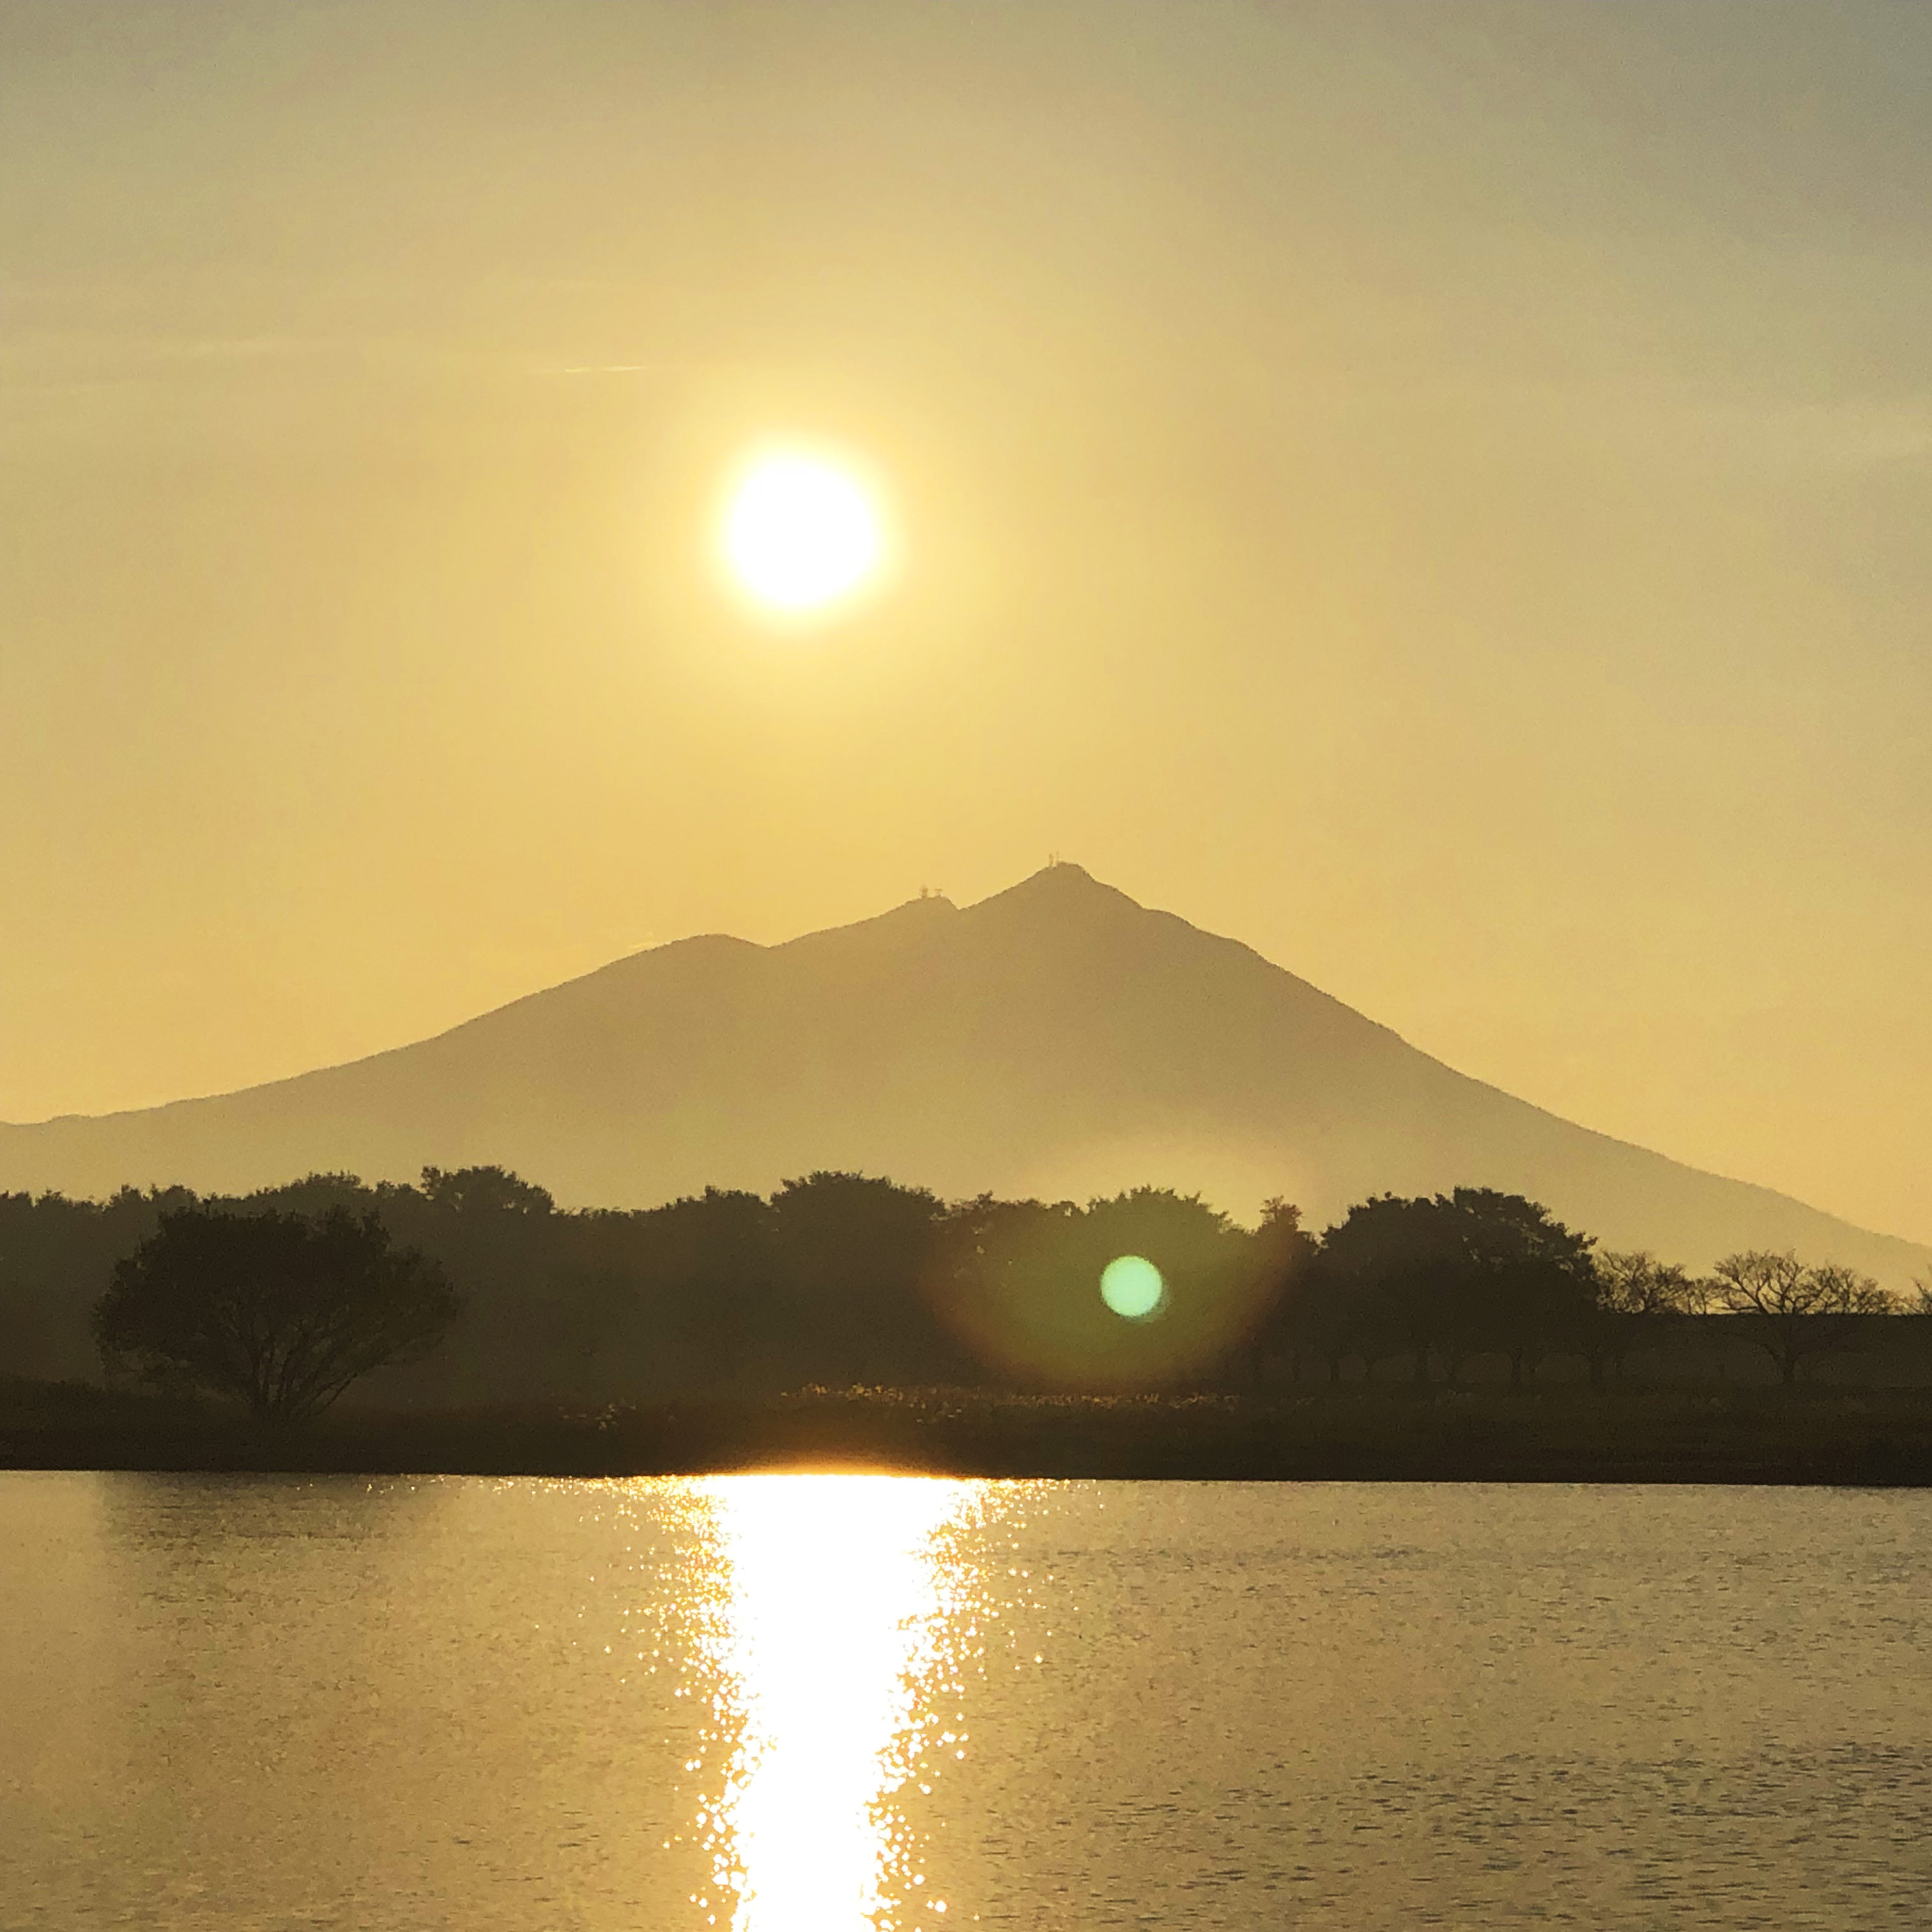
(1131, 1287)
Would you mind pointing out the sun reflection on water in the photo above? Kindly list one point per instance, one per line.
(829, 1636)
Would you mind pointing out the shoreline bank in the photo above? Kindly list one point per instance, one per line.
(1825, 1437)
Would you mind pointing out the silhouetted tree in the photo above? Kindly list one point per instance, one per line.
(480, 1191)
(313, 1196)
(57, 1255)
(1019, 1283)
(1525, 1286)
(704, 1272)
(535, 1326)
(280, 1311)
(850, 1252)
(1403, 1261)
(1446, 1276)
(1637, 1299)
(1281, 1252)
(1793, 1312)
(1326, 1316)
(999, 1281)
(1187, 1239)
(1219, 1283)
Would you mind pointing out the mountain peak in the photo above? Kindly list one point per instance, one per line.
(1061, 885)
(929, 903)
(1062, 874)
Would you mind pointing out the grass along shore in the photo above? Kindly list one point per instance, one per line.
(1376, 1432)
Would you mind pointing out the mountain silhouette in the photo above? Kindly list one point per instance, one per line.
(1057, 1039)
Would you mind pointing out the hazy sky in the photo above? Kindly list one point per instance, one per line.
(1443, 493)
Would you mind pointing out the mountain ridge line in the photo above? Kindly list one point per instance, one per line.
(1056, 1037)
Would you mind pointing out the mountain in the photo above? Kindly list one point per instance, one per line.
(1057, 1039)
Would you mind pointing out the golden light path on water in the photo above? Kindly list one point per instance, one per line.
(834, 1638)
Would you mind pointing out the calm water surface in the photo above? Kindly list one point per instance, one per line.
(821, 1702)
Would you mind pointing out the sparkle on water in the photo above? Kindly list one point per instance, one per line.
(800, 531)
(1131, 1285)
(832, 1621)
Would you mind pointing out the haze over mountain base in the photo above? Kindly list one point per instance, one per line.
(1057, 1039)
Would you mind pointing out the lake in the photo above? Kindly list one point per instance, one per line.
(820, 1702)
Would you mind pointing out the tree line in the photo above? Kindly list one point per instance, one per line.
(1442, 1278)
(473, 1286)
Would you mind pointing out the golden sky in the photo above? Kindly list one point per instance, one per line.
(1442, 494)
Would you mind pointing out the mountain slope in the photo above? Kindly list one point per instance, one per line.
(1057, 1038)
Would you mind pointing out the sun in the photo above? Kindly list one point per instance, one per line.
(801, 532)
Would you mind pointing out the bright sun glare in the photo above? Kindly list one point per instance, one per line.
(841, 1630)
(801, 532)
